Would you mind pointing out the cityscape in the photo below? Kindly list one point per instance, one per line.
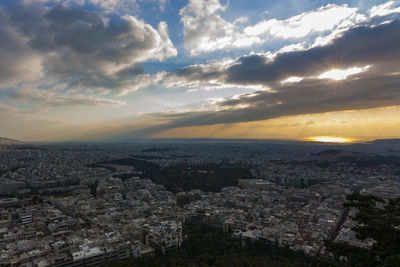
(83, 204)
(173, 133)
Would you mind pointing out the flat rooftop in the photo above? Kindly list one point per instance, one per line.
(8, 200)
(255, 181)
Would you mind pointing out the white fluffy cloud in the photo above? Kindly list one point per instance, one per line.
(206, 31)
(322, 19)
(384, 9)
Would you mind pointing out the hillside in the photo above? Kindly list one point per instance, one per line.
(8, 141)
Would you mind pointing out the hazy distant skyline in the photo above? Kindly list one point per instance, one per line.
(90, 69)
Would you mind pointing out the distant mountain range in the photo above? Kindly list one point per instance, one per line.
(387, 141)
(359, 158)
(8, 141)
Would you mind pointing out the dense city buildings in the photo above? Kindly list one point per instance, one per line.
(83, 204)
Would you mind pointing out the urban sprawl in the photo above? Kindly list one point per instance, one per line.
(72, 205)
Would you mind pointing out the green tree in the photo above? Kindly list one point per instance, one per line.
(376, 219)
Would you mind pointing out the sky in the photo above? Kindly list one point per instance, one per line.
(126, 69)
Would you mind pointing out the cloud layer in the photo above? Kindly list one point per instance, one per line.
(376, 46)
(63, 58)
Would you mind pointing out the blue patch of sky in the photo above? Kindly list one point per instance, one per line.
(5, 93)
(45, 86)
(7, 3)
(168, 65)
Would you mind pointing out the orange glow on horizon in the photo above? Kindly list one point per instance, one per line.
(330, 139)
(351, 125)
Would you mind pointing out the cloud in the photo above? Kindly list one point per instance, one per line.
(197, 76)
(329, 17)
(355, 49)
(122, 7)
(18, 61)
(206, 31)
(45, 98)
(350, 52)
(81, 48)
(373, 87)
(384, 9)
(5, 110)
(313, 96)
(112, 5)
(359, 46)
(317, 96)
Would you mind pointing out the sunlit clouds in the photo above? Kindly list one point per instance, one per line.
(384, 9)
(337, 74)
(322, 19)
(205, 30)
(292, 80)
(199, 68)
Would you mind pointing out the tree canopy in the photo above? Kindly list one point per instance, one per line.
(376, 219)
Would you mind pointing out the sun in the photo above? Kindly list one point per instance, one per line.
(338, 74)
(329, 139)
